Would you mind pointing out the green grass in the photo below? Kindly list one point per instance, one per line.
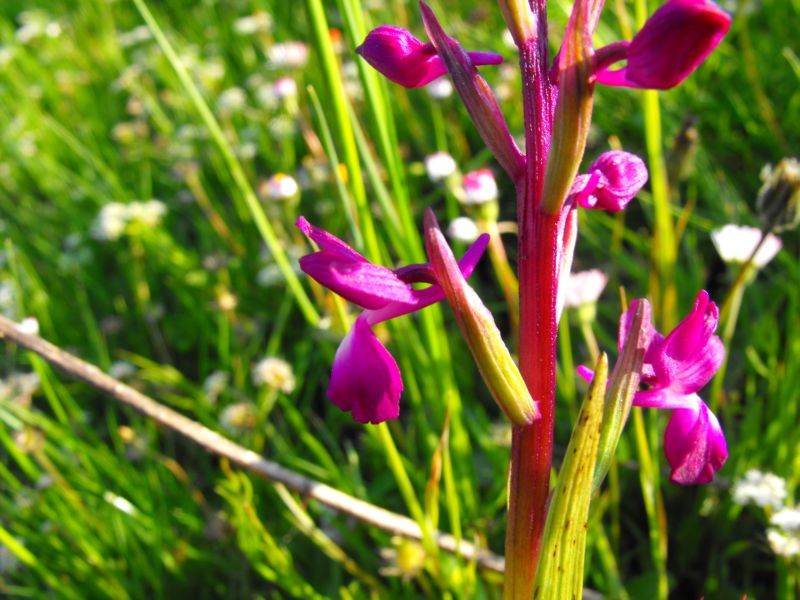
(89, 116)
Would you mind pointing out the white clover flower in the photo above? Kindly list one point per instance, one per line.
(110, 223)
(279, 187)
(439, 165)
(275, 373)
(439, 89)
(258, 22)
(288, 54)
(787, 519)
(479, 187)
(735, 244)
(238, 418)
(584, 287)
(783, 544)
(232, 100)
(463, 229)
(761, 489)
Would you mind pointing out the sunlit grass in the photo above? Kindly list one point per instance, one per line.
(97, 502)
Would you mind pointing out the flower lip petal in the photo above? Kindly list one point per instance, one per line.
(694, 445)
(365, 380)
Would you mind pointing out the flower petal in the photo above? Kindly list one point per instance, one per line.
(690, 355)
(328, 241)
(694, 445)
(365, 379)
(368, 285)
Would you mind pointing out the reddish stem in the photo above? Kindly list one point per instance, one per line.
(532, 445)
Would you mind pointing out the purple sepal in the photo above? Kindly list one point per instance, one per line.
(365, 380)
(674, 41)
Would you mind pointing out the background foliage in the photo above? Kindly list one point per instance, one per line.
(96, 502)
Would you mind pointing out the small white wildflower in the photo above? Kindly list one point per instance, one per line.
(120, 503)
(135, 36)
(121, 370)
(258, 22)
(783, 544)
(787, 519)
(735, 244)
(110, 222)
(439, 89)
(214, 385)
(761, 489)
(479, 187)
(275, 373)
(247, 150)
(232, 100)
(288, 54)
(281, 127)
(148, 213)
(28, 325)
(278, 187)
(439, 165)
(210, 71)
(285, 87)
(238, 418)
(584, 287)
(463, 229)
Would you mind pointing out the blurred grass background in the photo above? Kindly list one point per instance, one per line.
(184, 299)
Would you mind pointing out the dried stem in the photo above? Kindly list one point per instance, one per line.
(247, 459)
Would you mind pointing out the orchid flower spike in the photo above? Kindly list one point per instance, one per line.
(674, 41)
(404, 59)
(365, 379)
(676, 367)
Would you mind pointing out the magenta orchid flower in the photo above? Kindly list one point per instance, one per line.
(366, 380)
(404, 59)
(613, 180)
(674, 41)
(675, 368)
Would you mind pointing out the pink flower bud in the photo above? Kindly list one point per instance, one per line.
(401, 57)
(670, 46)
(613, 181)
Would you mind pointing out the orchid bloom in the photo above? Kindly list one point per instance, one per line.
(674, 41)
(365, 379)
(404, 59)
(675, 368)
